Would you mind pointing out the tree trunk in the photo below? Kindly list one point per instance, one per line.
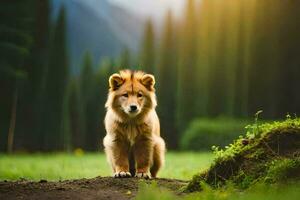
(11, 131)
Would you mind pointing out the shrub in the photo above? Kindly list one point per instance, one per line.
(204, 133)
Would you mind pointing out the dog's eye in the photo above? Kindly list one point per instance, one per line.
(125, 95)
(140, 95)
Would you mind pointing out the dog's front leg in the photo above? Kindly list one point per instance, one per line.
(143, 151)
(117, 152)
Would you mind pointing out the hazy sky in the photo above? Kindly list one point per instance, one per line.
(154, 8)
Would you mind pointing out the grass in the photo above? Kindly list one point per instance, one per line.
(260, 192)
(179, 165)
(62, 166)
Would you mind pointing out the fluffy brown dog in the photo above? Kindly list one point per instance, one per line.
(132, 143)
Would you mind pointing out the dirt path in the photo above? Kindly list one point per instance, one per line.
(96, 188)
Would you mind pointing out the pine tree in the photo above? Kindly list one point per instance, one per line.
(101, 91)
(232, 22)
(125, 60)
(66, 120)
(217, 76)
(15, 44)
(38, 69)
(290, 62)
(167, 84)
(86, 97)
(86, 77)
(147, 62)
(75, 115)
(187, 73)
(205, 57)
(56, 87)
(247, 34)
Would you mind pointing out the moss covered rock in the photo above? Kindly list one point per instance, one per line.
(268, 153)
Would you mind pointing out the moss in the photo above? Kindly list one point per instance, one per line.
(283, 170)
(267, 153)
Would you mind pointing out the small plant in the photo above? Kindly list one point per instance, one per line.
(254, 129)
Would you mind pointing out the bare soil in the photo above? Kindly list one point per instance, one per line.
(96, 188)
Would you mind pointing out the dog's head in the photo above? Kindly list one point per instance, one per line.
(131, 93)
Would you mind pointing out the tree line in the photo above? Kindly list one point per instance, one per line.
(228, 58)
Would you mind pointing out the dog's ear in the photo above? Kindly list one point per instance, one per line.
(115, 81)
(148, 81)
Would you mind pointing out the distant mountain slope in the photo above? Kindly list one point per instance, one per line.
(98, 27)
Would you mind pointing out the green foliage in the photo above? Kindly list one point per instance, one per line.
(267, 153)
(15, 37)
(283, 170)
(254, 133)
(203, 133)
(220, 58)
(228, 59)
(89, 93)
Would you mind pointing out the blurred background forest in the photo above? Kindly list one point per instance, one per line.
(217, 62)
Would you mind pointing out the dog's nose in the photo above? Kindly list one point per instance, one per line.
(133, 108)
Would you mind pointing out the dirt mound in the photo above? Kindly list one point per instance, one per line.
(96, 188)
(270, 153)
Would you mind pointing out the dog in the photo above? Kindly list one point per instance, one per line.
(132, 144)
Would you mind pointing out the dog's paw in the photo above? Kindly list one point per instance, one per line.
(142, 175)
(122, 174)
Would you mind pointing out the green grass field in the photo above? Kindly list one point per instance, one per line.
(62, 166)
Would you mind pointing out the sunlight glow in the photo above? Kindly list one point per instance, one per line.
(153, 8)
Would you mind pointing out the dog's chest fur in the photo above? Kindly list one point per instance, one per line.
(132, 131)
